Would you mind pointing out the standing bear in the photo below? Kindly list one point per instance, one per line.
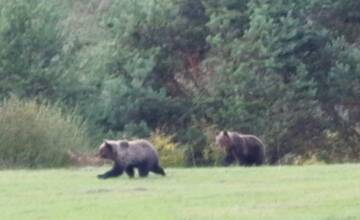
(128, 155)
(242, 148)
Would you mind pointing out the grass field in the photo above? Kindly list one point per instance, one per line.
(291, 193)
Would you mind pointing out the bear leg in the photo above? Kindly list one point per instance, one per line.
(114, 172)
(158, 170)
(259, 161)
(229, 159)
(143, 171)
(130, 171)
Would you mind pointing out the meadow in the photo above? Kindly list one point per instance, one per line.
(326, 192)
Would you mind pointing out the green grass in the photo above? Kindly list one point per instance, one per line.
(291, 193)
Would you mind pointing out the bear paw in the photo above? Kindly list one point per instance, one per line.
(101, 176)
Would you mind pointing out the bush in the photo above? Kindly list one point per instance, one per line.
(214, 156)
(196, 146)
(170, 154)
(38, 135)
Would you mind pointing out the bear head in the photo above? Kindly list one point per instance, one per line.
(223, 139)
(109, 149)
(106, 150)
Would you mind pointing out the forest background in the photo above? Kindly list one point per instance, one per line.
(74, 72)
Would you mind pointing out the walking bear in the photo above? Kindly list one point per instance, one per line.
(128, 155)
(242, 148)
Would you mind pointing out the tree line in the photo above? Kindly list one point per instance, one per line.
(287, 71)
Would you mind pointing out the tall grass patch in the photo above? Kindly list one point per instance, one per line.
(34, 135)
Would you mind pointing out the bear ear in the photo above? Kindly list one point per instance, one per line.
(107, 144)
(226, 133)
(124, 144)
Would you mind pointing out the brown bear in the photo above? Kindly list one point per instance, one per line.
(244, 149)
(128, 155)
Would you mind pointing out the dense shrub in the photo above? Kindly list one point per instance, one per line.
(38, 135)
(171, 155)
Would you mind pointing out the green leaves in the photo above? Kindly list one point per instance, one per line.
(290, 65)
(284, 70)
(31, 49)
